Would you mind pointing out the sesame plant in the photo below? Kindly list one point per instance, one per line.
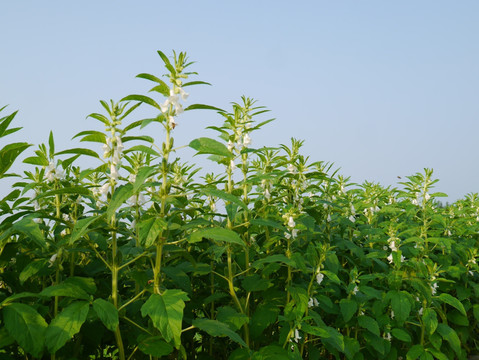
(144, 256)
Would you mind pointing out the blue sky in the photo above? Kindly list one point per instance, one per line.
(382, 89)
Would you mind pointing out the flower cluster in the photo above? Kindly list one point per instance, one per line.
(54, 173)
(172, 106)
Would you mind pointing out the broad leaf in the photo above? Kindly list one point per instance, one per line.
(210, 146)
(217, 234)
(150, 229)
(65, 325)
(166, 313)
(155, 346)
(369, 323)
(65, 289)
(450, 336)
(216, 328)
(348, 308)
(121, 194)
(26, 326)
(451, 300)
(107, 313)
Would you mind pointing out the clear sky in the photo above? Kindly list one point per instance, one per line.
(380, 88)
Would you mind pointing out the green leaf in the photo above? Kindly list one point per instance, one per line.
(143, 99)
(202, 107)
(31, 230)
(51, 145)
(429, 318)
(9, 153)
(451, 300)
(107, 313)
(225, 196)
(26, 326)
(65, 325)
(315, 330)
(273, 259)
(31, 269)
(5, 338)
(142, 148)
(401, 306)
(231, 317)
(150, 229)
(85, 283)
(162, 88)
(216, 328)
(265, 315)
(439, 355)
(254, 282)
(195, 83)
(450, 336)
(139, 138)
(217, 234)
(369, 323)
(143, 174)
(414, 352)
(81, 228)
(166, 313)
(154, 346)
(121, 194)
(206, 145)
(65, 289)
(77, 190)
(348, 308)
(36, 160)
(401, 334)
(331, 276)
(475, 310)
(79, 151)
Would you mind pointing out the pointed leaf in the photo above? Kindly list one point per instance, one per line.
(121, 194)
(65, 289)
(65, 325)
(369, 323)
(79, 151)
(26, 326)
(81, 228)
(202, 107)
(142, 98)
(107, 313)
(150, 229)
(154, 346)
(30, 229)
(348, 308)
(216, 328)
(210, 146)
(166, 313)
(451, 300)
(217, 234)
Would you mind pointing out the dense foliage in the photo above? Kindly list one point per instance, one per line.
(139, 257)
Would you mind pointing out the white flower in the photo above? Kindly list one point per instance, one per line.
(387, 337)
(392, 314)
(52, 260)
(313, 302)
(171, 120)
(132, 178)
(420, 311)
(319, 278)
(402, 258)
(114, 172)
(415, 202)
(246, 140)
(352, 218)
(427, 196)
(392, 245)
(104, 189)
(292, 169)
(471, 273)
(63, 232)
(65, 217)
(353, 210)
(267, 195)
(296, 336)
(287, 235)
(232, 165)
(434, 288)
(184, 95)
(390, 258)
(355, 290)
(291, 222)
(328, 219)
(294, 233)
(231, 145)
